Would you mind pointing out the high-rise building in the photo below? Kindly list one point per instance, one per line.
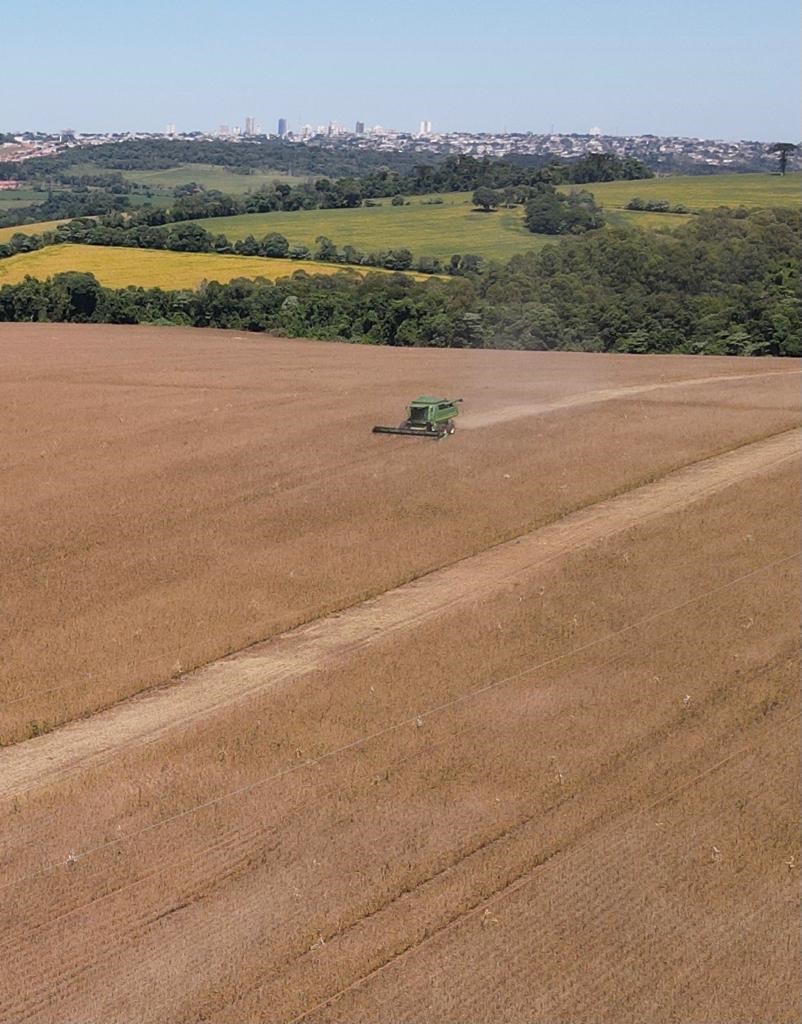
(282, 127)
(360, 128)
(169, 131)
(425, 128)
(250, 126)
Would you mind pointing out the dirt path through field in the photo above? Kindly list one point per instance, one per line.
(309, 647)
(472, 421)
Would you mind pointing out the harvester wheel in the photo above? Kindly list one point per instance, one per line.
(450, 427)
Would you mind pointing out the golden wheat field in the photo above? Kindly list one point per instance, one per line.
(303, 723)
(119, 267)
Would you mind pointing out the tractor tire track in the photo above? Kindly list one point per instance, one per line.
(477, 420)
(239, 677)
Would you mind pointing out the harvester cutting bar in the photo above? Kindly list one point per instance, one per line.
(435, 435)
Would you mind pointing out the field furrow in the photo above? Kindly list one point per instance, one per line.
(308, 647)
(307, 724)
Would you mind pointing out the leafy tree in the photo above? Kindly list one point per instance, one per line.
(544, 214)
(76, 296)
(326, 250)
(247, 246)
(551, 213)
(274, 245)
(486, 198)
(189, 238)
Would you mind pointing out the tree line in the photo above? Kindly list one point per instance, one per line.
(194, 202)
(244, 157)
(723, 284)
(187, 237)
(296, 158)
(546, 212)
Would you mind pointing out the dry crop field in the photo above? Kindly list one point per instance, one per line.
(302, 723)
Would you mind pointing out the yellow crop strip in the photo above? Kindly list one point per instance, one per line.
(30, 229)
(147, 268)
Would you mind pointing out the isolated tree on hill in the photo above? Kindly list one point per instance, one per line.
(487, 198)
(782, 149)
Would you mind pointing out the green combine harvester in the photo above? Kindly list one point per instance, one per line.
(427, 417)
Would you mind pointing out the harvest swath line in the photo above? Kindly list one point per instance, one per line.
(615, 830)
(478, 420)
(606, 395)
(225, 843)
(133, 917)
(239, 677)
(205, 892)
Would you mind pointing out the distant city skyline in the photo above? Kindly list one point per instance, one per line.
(720, 70)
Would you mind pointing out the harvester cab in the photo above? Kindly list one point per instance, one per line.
(427, 417)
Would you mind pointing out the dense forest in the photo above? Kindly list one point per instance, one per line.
(243, 157)
(726, 283)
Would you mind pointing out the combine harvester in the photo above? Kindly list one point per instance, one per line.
(427, 417)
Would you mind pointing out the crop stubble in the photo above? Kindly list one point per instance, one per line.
(241, 910)
(172, 496)
(431, 820)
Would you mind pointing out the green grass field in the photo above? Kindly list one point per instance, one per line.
(208, 175)
(643, 219)
(116, 267)
(11, 200)
(430, 230)
(703, 192)
(441, 230)
(455, 227)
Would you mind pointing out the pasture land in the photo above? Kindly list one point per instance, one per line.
(20, 197)
(455, 226)
(542, 784)
(436, 230)
(702, 192)
(440, 230)
(150, 268)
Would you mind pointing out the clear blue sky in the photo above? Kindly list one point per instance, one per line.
(716, 68)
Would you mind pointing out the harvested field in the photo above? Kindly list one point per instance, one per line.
(555, 780)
